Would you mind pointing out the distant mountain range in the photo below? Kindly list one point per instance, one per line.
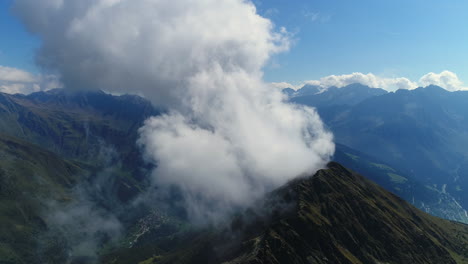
(421, 132)
(349, 95)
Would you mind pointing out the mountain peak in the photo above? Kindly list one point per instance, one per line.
(433, 89)
(348, 95)
(308, 89)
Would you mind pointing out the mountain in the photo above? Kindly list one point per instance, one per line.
(30, 177)
(70, 171)
(308, 89)
(336, 216)
(348, 95)
(90, 127)
(423, 132)
(74, 125)
(63, 153)
(402, 184)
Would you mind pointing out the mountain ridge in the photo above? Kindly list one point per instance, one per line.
(338, 217)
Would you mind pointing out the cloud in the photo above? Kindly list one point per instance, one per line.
(244, 148)
(283, 85)
(9, 74)
(153, 46)
(271, 12)
(13, 80)
(316, 17)
(85, 226)
(227, 137)
(371, 80)
(445, 79)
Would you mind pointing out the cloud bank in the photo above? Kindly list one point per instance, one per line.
(13, 80)
(445, 79)
(227, 137)
(369, 79)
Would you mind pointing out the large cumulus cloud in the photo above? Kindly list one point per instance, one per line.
(227, 137)
(446, 79)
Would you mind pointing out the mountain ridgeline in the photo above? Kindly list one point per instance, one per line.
(335, 216)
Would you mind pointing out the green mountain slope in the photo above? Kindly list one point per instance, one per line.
(68, 161)
(30, 177)
(336, 216)
(76, 125)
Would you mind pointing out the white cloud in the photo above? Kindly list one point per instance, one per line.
(13, 80)
(9, 74)
(283, 85)
(228, 137)
(369, 79)
(153, 46)
(445, 79)
(22, 88)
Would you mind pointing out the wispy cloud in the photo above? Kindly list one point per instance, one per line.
(271, 12)
(316, 16)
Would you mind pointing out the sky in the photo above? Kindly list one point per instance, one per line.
(406, 38)
(398, 38)
(17, 46)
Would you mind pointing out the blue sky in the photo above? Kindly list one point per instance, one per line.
(391, 38)
(17, 47)
(407, 38)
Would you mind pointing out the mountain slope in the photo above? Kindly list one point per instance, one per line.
(336, 216)
(90, 127)
(30, 177)
(75, 125)
(402, 183)
(62, 153)
(423, 131)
